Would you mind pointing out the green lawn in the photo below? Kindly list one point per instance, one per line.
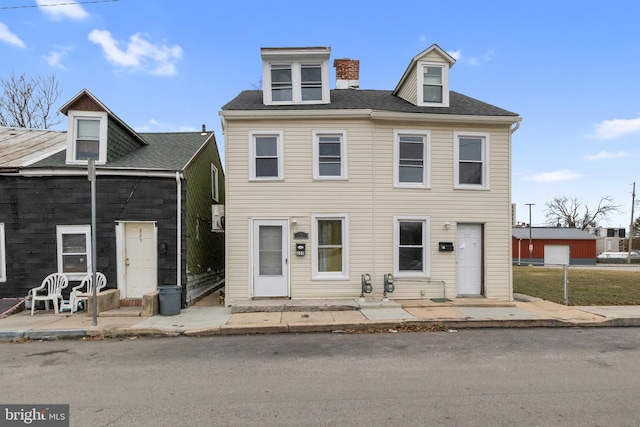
(585, 286)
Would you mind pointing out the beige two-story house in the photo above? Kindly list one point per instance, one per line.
(327, 185)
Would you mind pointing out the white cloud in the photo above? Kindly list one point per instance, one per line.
(455, 54)
(55, 57)
(8, 37)
(610, 129)
(561, 175)
(473, 60)
(60, 9)
(604, 155)
(139, 54)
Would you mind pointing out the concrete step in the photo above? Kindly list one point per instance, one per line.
(122, 312)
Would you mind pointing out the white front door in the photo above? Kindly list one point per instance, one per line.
(270, 258)
(469, 257)
(140, 259)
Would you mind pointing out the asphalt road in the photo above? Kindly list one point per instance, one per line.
(510, 377)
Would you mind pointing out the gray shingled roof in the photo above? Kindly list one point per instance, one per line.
(381, 100)
(166, 152)
(552, 233)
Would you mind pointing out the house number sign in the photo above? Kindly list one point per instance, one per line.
(140, 235)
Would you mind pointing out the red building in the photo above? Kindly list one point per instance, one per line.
(553, 246)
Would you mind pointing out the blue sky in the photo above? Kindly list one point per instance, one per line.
(571, 69)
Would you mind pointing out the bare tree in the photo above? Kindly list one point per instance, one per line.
(571, 212)
(27, 102)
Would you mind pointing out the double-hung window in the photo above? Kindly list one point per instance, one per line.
(330, 155)
(311, 82)
(411, 249)
(412, 158)
(295, 75)
(74, 250)
(3, 255)
(330, 246)
(471, 167)
(87, 137)
(433, 84)
(266, 155)
(281, 83)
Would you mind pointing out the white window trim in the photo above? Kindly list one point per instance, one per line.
(426, 234)
(252, 155)
(72, 128)
(344, 274)
(296, 82)
(74, 229)
(485, 160)
(215, 195)
(445, 84)
(426, 172)
(343, 154)
(3, 256)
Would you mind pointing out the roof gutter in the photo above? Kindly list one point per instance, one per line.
(101, 172)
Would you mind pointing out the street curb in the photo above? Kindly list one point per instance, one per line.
(394, 325)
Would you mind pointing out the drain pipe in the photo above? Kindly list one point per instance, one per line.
(179, 230)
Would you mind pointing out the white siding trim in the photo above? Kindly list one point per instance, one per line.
(73, 117)
(315, 274)
(445, 83)
(74, 229)
(252, 154)
(343, 154)
(486, 168)
(426, 175)
(426, 235)
(3, 256)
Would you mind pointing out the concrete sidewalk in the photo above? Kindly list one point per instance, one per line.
(257, 317)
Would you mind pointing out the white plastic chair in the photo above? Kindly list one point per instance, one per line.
(75, 299)
(50, 290)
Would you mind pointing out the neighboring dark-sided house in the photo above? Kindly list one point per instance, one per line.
(553, 246)
(159, 202)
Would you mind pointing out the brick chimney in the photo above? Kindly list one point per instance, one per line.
(347, 73)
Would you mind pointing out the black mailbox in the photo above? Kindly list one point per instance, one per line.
(445, 246)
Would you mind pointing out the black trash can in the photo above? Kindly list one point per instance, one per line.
(169, 299)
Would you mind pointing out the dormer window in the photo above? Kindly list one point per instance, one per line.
(433, 85)
(295, 76)
(87, 137)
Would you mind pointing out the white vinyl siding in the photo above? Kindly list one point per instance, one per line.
(74, 250)
(471, 165)
(372, 201)
(3, 255)
(330, 154)
(412, 158)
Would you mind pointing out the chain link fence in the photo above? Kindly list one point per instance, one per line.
(600, 284)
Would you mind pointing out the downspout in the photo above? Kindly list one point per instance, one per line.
(179, 230)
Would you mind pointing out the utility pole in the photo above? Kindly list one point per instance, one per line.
(530, 239)
(633, 202)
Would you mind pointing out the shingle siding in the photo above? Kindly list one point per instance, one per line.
(31, 208)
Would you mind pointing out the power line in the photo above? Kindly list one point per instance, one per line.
(57, 4)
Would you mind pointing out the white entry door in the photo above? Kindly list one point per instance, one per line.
(469, 257)
(270, 258)
(140, 261)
